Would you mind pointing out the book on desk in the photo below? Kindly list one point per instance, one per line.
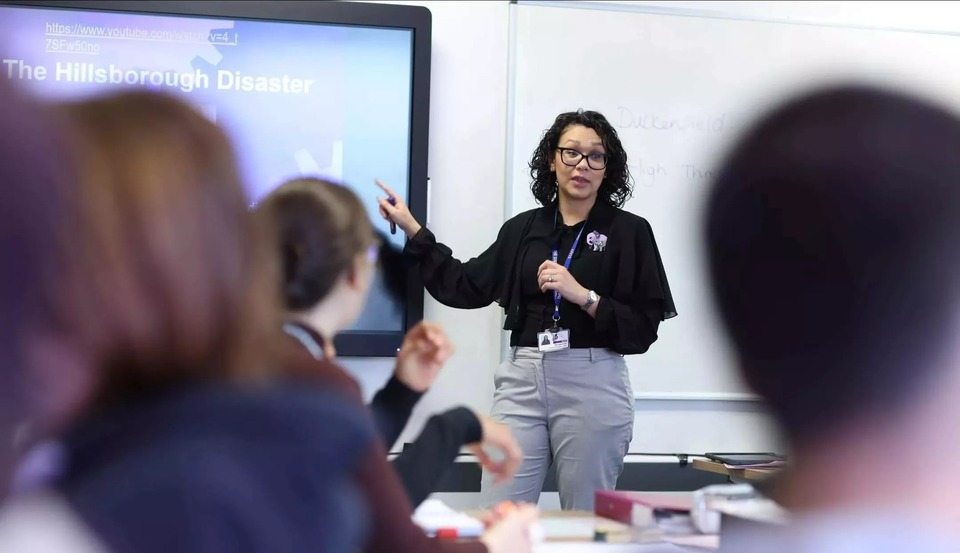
(640, 509)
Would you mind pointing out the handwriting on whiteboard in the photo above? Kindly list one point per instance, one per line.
(630, 119)
(648, 173)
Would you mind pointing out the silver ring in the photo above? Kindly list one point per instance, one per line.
(550, 278)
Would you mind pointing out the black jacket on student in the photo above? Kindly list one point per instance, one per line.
(626, 272)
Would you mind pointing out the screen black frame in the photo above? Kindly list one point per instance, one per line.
(417, 18)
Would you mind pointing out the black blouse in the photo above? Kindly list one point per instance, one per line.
(538, 306)
(617, 258)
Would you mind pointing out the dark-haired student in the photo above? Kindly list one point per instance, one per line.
(833, 241)
(587, 271)
(328, 252)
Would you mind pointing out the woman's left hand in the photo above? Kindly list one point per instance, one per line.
(554, 276)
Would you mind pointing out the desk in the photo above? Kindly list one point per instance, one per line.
(567, 524)
(567, 547)
(736, 475)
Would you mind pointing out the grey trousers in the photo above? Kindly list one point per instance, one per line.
(573, 408)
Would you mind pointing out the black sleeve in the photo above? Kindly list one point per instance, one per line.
(641, 299)
(391, 407)
(423, 463)
(465, 285)
(634, 330)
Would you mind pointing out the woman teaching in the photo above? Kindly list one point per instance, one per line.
(581, 269)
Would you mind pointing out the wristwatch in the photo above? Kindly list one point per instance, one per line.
(592, 298)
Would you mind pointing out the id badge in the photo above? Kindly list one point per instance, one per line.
(557, 339)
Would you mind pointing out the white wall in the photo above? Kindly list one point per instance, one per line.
(469, 93)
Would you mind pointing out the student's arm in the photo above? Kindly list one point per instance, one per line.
(391, 408)
(422, 355)
(422, 464)
(391, 526)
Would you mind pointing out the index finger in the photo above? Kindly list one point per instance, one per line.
(385, 188)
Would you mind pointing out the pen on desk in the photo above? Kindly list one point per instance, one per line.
(455, 534)
(447, 533)
(393, 226)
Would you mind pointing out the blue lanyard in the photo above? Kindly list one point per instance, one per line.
(566, 265)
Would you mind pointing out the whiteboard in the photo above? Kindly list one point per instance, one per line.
(679, 89)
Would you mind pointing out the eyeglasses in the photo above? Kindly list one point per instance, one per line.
(572, 157)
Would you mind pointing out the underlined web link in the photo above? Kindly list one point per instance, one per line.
(221, 37)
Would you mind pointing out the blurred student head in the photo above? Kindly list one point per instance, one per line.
(34, 190)
(833, 238)
(328, 250)
(168, 284)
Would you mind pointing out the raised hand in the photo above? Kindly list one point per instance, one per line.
(424, 351)
(397, 211)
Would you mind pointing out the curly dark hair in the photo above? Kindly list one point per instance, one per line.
(617, 185)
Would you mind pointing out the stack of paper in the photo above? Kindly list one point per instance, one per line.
(695, 542)
(758, 509)
(568, 528)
